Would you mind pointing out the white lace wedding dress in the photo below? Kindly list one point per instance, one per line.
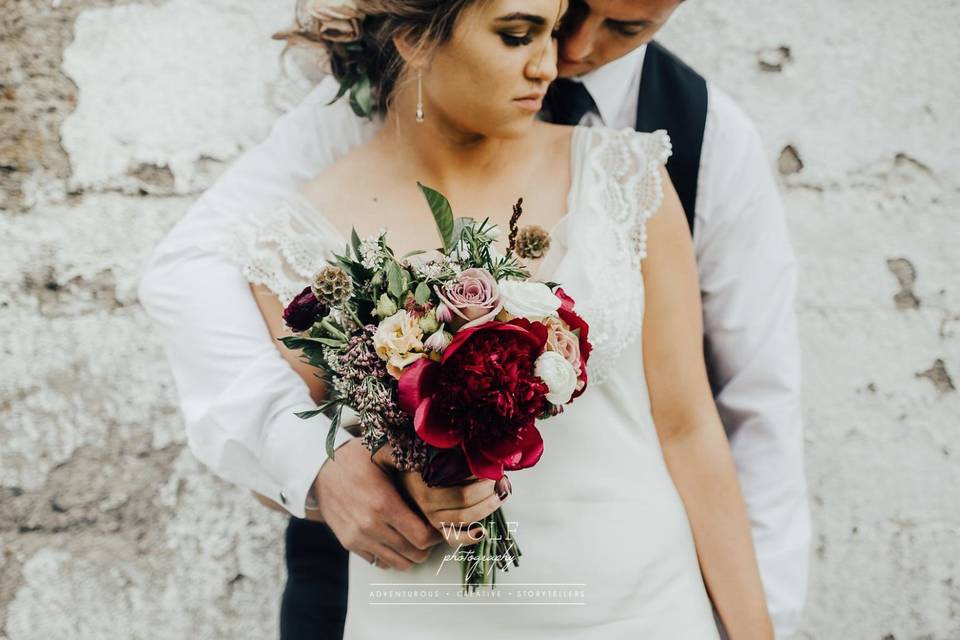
(607, 548)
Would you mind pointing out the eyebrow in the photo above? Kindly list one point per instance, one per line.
(523, 17)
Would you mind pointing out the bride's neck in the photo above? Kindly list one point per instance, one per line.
(442, 154)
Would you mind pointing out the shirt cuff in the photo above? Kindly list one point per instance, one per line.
(294, 452)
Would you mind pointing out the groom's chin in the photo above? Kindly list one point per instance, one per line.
(566, 69)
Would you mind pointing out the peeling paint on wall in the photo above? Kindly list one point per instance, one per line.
(115, 115)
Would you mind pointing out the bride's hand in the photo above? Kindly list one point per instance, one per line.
(451, 510)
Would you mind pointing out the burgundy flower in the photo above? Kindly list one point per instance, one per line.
(445, 467)
(482, 396)
(303, 311)
(575, 322)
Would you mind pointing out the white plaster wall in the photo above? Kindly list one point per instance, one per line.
(110, 529)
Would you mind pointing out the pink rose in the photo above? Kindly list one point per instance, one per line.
(563, 341)
(473, 298)
(337, 20)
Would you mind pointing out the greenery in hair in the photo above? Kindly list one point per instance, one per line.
(356, 82)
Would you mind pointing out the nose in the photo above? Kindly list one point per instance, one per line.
(578, 41)
(543, 68)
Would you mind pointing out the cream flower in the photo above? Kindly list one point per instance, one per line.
(398, 341)
(396, 364)
(528, 299)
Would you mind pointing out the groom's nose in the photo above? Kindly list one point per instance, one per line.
(578, 39)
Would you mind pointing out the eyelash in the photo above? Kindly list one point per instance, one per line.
(519, 41)
(516, 41)
(625, 31)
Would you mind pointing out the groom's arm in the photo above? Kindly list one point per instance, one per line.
(237, 393)
(748, 276)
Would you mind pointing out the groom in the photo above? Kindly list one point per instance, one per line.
(238, 394)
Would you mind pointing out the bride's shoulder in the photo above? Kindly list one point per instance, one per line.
(628, 145)
(340, 184)
(555, 138)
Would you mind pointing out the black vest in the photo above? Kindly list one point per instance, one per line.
(674, 97)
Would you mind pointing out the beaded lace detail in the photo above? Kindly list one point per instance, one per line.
(622, 191)
(284, 246)
(281, 248)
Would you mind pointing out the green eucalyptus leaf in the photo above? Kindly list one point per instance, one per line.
(395, 280)
(306, 415)
(332, 433)
(442, 215)
(345, 85)
(422, 293)
(300, 342)
(361, 97)
(355, 241)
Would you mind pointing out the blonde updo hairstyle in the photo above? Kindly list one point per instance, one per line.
(362, 55)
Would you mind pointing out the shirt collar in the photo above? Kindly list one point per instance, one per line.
(610, 84)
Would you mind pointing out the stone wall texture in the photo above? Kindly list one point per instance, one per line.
(114, 116)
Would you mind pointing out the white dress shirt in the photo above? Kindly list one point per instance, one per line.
(238, 394)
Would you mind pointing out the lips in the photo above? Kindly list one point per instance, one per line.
(532, 102)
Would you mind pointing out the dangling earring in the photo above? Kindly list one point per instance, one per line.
(419, 95)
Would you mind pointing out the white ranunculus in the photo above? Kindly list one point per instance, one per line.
(530, 300)
(558, 374)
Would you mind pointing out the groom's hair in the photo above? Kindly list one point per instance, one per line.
(423, 23)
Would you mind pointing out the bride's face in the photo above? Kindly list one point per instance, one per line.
(491, 76)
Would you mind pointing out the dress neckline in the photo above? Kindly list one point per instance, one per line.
(572, 194)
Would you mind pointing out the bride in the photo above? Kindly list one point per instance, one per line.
(634, 510)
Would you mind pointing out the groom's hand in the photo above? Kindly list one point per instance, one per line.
(359, 501)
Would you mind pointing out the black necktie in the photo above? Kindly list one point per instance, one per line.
(568, 101)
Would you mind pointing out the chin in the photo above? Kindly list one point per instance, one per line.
(507, 127)
(572, 70)
(518, 128)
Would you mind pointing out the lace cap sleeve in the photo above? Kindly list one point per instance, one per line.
(280, 247)
(636, 187)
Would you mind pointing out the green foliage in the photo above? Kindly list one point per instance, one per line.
(422, 294)
(442, 215)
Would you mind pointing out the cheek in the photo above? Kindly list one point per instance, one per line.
(483, 84)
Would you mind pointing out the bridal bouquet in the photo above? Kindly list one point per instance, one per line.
(449, 356)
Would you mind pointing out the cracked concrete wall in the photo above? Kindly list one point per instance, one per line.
(115, 115)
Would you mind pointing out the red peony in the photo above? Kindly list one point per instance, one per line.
(482, 396)
(578, 324)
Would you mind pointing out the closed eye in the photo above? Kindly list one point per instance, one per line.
(625, 29)
(516, 41)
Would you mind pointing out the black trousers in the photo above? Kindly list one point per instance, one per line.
(314, 603)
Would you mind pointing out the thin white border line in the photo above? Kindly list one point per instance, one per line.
(434, 604)
(458, 584)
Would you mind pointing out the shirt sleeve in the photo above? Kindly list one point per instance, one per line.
(237, 393)
(748, 276)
